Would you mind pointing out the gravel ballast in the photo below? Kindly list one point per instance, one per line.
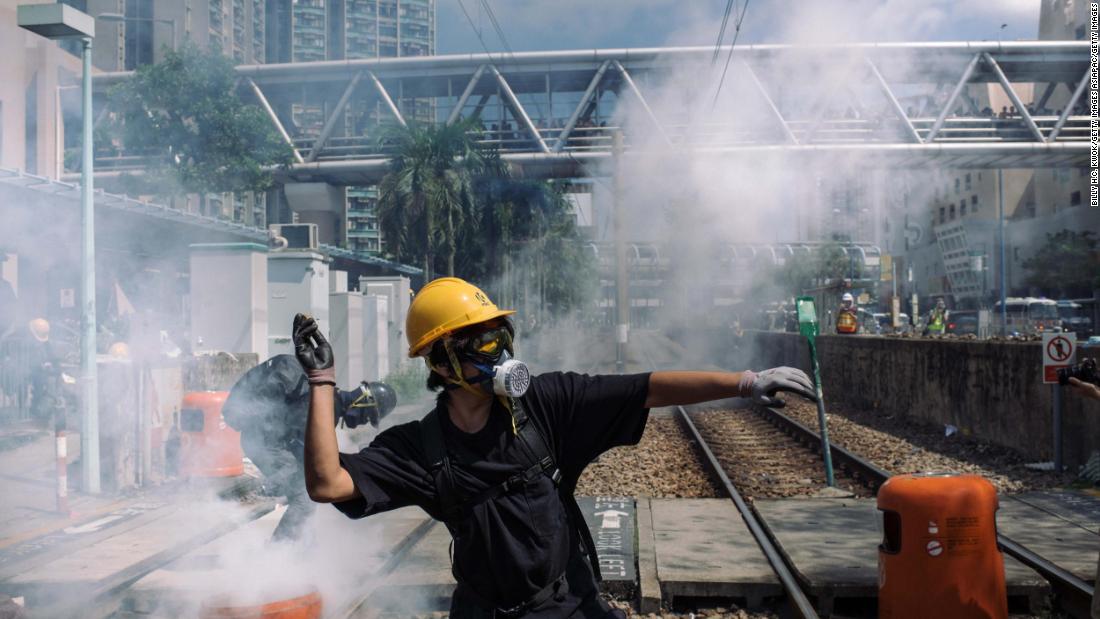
(901, 446)
(664, 464)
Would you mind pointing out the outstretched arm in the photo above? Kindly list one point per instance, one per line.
(673, 388)
(1087, 390)
(326, 480)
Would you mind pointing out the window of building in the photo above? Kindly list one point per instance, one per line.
(952, 212)
(943, 212)
(1079, 33)
(974, 202)
(962, 208)
(968, 180)
(956, 185)
(1075, 198)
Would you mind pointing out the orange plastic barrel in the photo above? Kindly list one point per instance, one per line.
(939, 555)
(208, 446)
(306, 606)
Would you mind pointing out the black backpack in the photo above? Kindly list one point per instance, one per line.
(539, 460)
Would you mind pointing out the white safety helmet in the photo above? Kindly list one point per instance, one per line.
(848, 298)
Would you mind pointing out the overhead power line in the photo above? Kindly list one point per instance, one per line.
(496, 26)
(473, 26)
(733, 44)
(721, 32)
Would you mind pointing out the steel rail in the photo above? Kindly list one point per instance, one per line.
(802, 603)
(1075, 592)
(790, 584)
(392, 562)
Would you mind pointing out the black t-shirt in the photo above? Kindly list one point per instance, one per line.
(509, 548)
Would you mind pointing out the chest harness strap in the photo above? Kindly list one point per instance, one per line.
(537, 460)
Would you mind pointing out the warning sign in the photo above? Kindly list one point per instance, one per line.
(1059, 351)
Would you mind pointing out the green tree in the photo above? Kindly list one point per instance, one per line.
(426, 196)
(453, 206)
(1067, 264)
(526, 241)
(828, 264)
(184, 114)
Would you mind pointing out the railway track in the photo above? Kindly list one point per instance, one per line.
(763, 461)
(1074, 593)
(749, 435)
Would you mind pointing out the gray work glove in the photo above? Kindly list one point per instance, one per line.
(767, 383)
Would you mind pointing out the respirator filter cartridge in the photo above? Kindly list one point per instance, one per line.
(511, 378)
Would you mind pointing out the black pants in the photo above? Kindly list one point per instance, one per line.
(576, 597)
(284, 473)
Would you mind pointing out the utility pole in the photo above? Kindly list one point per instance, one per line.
(622, 291)
(61, 21)
(1001, 228)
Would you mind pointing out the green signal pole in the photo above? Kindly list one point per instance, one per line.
(808, 326)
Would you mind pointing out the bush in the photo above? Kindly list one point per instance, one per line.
(408, 381)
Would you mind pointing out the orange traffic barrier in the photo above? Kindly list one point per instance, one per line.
(208, 446)
(939, 555)
(306, 606)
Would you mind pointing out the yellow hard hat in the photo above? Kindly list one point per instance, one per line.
(444, 306)
(40, 329)
(119, 350)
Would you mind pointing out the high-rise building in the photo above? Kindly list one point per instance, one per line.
(131, 33)
(952, 240)
(313, 30)
(136, 32)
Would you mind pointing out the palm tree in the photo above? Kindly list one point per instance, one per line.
(427, 194)
(443, 186)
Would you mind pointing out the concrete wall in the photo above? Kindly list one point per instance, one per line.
(229, 298)
(991, 390)
(32, 66)
(346, 317)
(397, 290)
(297, 282)
(376, 337)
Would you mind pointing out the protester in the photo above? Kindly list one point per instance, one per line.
(498, 458)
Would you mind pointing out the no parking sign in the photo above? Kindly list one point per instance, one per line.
(1059, 351)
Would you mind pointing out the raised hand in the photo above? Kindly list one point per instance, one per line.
(313, 351)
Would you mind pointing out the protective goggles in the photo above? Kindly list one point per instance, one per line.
(483, 345)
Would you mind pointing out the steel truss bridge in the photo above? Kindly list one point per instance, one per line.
(656, 257)
(552, 114)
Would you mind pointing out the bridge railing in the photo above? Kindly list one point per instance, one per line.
(976, 129)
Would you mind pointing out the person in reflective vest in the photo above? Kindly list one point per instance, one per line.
(937, 318)
(847, 322)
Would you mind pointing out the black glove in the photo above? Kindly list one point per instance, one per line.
(313, 351)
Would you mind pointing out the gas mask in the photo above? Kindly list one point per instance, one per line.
(490, 352)
(510, 377)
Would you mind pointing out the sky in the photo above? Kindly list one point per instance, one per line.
(535, 25)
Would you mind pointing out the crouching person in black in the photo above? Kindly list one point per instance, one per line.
(499, 456)
(269, 406)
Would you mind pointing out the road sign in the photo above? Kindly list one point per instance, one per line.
(1059, 351)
